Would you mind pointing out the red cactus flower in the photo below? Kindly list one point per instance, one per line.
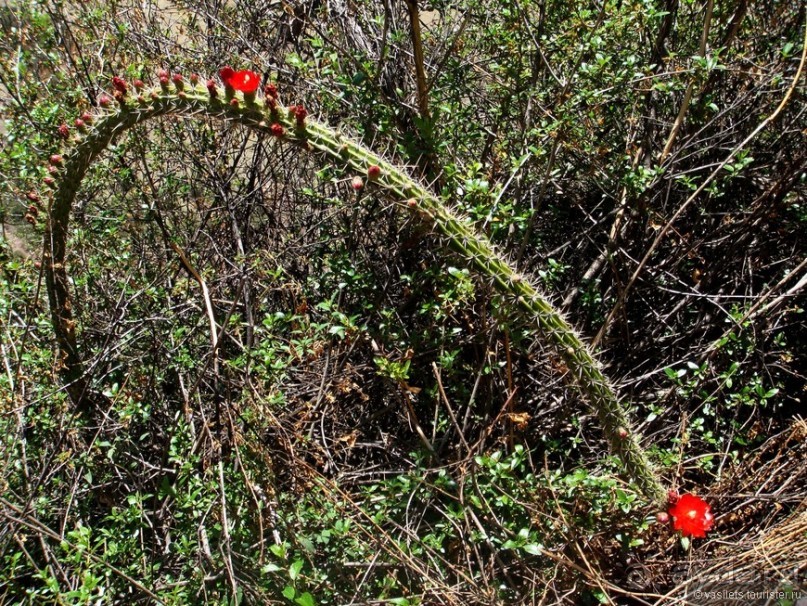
(119, 84)
(277, 130)
(373, 172)
(245, 81)
(64, 132)
(692, 516)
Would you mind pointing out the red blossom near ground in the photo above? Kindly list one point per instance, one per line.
(692, 516)
(277, 130)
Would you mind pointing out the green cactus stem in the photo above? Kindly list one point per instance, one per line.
(293, 126)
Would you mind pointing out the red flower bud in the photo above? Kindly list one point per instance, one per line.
(357, 183)
(662, 517)
(32, 196)
(138, 84)
(164, 82)
(53, 170)
(277, 130)
(373, 172)
(56, 159)
(622, 433)
(87, 117)
(211, 89)
(64, 132)
(194, 78)
(119, 97)
(270, 90)
(162, 73)
(49, 181)
(178, 82)
(672, 496)
(234, 103)
(412, 203)
(104, 100)
(119, 84)
(225, 73)
(31, 219)
(299, 114)
(80, 124)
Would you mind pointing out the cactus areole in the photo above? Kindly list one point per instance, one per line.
(178, 97)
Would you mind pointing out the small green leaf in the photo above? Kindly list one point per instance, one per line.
(289, 592)
(533, 548)
(305, 599)
(294, 569)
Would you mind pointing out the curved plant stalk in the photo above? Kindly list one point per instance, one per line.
(291, 125)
